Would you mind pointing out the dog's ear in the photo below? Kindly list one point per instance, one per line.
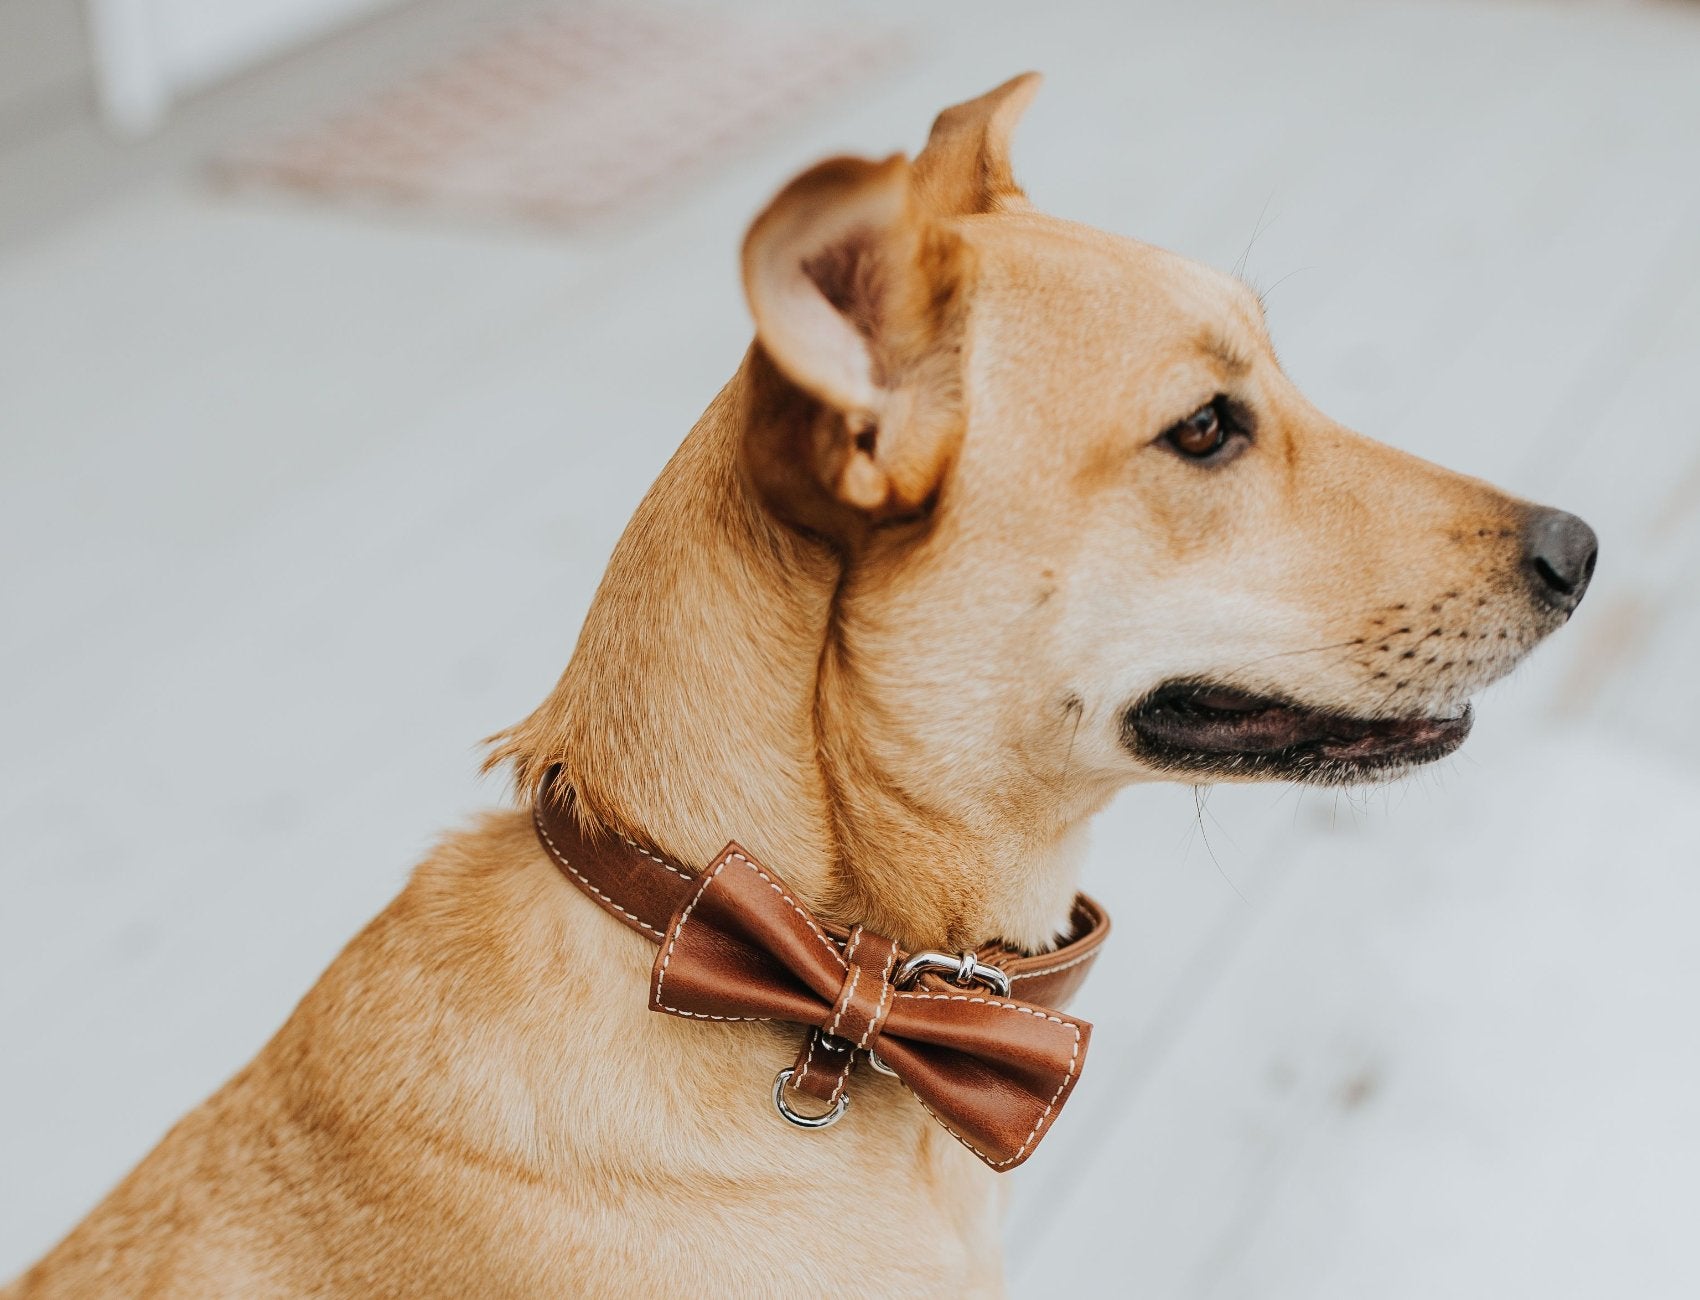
(965, 167)
(858, 300)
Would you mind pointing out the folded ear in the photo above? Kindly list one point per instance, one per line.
(965, 167)
(858, 301)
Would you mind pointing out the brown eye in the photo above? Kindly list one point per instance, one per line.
(1209, 434)
(1199, 435)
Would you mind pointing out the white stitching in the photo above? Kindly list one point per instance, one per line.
(808, 1060)
(843, 1078)
(990, 1002)
(843, 1075)
(555, 852)
(886, 990)
(662, 862)
(1052, 970)
(815, 1039)
(1045, 1114)
(1087, 916)
(796, 907)
(703, 1015)
(667, 955)
(848, 992)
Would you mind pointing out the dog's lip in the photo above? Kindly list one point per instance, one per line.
(1202, 723)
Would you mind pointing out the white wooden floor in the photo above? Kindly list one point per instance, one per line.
(281, 487)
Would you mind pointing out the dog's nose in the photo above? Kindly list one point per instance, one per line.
(1559, 550)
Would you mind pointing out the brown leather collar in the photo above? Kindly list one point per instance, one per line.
(985, 1050)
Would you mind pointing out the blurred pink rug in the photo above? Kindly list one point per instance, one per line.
(569, 115)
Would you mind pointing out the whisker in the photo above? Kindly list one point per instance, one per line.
(1351, 645)
(1200, 796)
(1263, 294)
(1068, 759)
(1257, 229)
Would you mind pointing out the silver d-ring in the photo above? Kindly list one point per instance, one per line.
(961, 970)
(805, 1121)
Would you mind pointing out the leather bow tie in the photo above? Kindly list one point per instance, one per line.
(737, 945)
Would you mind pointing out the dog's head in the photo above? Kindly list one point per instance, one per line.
(1092, 532)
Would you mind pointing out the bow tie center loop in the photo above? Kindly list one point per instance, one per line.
(857, 1016)
(865, 999)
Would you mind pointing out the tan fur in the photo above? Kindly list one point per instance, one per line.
(878, 620)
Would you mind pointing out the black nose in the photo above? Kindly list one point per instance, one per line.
(1560, 551)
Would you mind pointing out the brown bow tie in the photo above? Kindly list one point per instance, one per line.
(736, 944)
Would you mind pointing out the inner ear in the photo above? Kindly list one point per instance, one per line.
(845, 276)
(859, 302)
(811, 271)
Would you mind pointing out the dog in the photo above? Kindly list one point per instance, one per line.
(998, 515)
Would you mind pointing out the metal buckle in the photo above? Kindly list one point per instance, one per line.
(790, 1116)
(962, 971)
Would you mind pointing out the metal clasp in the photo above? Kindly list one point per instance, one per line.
(790, 1116)
(963, 971)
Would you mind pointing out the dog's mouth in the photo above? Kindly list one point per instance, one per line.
(1204, 728)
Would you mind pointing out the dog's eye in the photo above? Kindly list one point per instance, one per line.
(1207, 434)
(1200, 434)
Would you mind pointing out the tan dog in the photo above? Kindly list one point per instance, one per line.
(998, 515)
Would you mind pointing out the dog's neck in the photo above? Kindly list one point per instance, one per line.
(693, 709)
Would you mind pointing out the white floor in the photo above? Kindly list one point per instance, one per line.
(297, 504)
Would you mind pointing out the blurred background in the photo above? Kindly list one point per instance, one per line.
(338, 339)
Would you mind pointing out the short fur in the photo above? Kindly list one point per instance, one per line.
(881, 619)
